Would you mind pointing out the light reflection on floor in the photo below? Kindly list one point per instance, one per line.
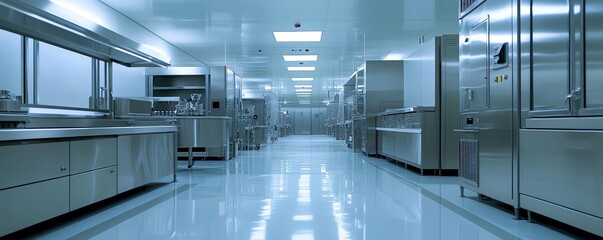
(301, 187)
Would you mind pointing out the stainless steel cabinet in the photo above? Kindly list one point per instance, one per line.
(562, 102)
(560, 176)
(93, 186)
(87, 155)
(30, 204)
(94, 171)
(142, 159)
(26, 163)
(410, 138)
(489, 90)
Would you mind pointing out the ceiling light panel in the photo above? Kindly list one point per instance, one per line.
(303, 90)
(302, 79)
(301, 68)
(298, 36)
(300, 58)
(302, 86)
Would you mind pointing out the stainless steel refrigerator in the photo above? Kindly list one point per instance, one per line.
(561, 158)
(489, 100)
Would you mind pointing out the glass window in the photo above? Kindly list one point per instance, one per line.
(11, 63)
(64, 77)
(128, 82)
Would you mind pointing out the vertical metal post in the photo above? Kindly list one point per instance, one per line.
(36, 63)
(24, 85)
(109, 77)
(93, 104)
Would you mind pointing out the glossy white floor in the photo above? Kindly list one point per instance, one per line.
(300, 187)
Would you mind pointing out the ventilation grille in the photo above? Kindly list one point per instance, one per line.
(465, 4)
(468, 164)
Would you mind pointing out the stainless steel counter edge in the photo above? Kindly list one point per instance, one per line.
(406, 111)
(401, 130)
(581, 123)
(48, 133)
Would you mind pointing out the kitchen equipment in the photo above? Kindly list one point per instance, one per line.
(488, 91)
(562, 104)
(132, 107)
(9, 102)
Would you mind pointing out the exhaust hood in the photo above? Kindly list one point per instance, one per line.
(48, 22)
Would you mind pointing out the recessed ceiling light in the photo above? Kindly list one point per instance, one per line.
(301, 68)
(302, 86)
(300, 58)
(303, 90)
(302, 79)
(304, 95)
(298, 36)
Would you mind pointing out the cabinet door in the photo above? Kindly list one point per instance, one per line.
(143, 159)
(27, 205)
(413, 148)
(550, 57)
(90, 187)
(87, 155)
(594, 55)
(27, 163)
(564, 168)
(474, 68)
(400, 146)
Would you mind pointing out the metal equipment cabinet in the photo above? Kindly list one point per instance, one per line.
(383, 88)
(410, 137)
(431, 79)
(93, 167)
(560, 157)
(221, 93)
(22, 187)
(144, 158)
(489, 102)
(253, 123)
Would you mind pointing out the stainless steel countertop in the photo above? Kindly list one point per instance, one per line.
(50, 133)
(416, 109)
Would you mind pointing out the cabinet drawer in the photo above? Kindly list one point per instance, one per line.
(30, 204)
(87, 155)
(563, 167)
(91, 187)
(28, 163)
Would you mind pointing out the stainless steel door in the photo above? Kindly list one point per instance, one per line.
(550, 57)
(474, 59)
(594, 56)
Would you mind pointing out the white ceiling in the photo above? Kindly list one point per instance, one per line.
(238, 34)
